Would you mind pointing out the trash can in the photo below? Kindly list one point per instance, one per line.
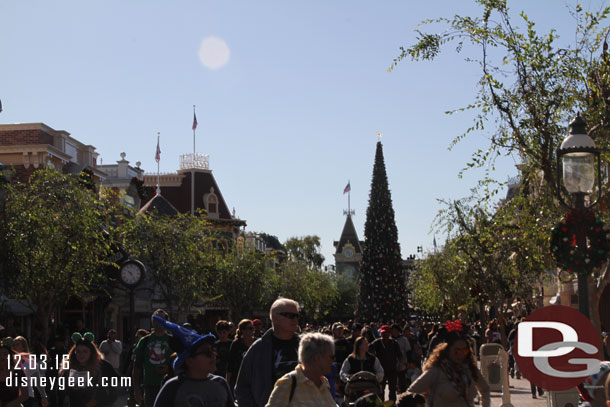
(490, 366)
(566, 398)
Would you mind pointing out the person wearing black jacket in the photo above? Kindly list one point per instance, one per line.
(388, 352)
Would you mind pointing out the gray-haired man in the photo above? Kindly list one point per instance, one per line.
(270, 357)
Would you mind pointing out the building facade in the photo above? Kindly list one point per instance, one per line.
(348, 250)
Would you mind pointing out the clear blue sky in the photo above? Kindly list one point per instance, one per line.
(288, 119)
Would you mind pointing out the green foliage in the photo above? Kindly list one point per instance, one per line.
(346, 300)
(179, 253)
(310, 287)
(305, 249)
(54, 239)
(529, 89)
(438, 282)
(245, 281)
(302, 279)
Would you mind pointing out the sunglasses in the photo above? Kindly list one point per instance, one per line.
(290, 315)
(462, 351)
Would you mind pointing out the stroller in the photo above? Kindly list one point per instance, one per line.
(360, 384)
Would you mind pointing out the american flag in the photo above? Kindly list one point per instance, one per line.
(158, 153)
(194, 121)
(347, 188)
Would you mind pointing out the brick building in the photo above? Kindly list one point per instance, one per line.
(27, 147)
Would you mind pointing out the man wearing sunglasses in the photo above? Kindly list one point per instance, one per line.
(270, 357)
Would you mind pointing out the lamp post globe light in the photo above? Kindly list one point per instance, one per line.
(577, 159)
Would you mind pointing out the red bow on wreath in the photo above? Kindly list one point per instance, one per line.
(581, 216)
(454, 326)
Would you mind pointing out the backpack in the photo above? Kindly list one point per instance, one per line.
(293, 385)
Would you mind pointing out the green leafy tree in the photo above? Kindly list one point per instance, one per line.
(310, 287)
(438, 282)
(302, 279)
(179, 254)
(245, 282)
(55, 242)
(531, 85)
(305, 249)
(347, 297)
(382, 283)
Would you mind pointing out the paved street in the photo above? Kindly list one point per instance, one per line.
(520, 396)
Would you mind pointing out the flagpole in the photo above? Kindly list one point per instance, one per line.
(349, 208)
(194, 127)
(158, 166)
(192, 167)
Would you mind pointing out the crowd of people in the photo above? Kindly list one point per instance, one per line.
(413, 363)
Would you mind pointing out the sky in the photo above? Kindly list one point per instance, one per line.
(289, 95)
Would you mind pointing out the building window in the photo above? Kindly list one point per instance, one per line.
(212, 204)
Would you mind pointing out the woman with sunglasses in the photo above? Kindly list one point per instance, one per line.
(244, 336)
(451, 377)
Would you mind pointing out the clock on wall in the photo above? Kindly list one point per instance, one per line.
(348, 252)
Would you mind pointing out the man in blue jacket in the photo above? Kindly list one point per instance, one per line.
(270, 357)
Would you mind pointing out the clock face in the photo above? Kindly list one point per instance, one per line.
(131, 273)
(350, 271)
(348, 252)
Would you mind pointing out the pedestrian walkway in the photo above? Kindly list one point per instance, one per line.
(520, 395)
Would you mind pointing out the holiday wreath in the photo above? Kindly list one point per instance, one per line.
(564, 246)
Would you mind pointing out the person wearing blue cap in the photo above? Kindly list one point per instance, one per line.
(195, 384)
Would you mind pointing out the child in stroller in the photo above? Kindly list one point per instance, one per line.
(360, 384)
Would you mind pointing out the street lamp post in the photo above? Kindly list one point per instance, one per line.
(577, 159)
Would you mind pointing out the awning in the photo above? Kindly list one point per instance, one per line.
(18, 308)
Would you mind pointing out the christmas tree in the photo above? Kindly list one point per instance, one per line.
(382, 284)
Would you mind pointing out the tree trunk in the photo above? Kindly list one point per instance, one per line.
(42, 313)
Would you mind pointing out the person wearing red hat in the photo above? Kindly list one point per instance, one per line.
(388, 352)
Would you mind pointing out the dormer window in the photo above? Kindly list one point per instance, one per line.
(210, 201)
(212, 204)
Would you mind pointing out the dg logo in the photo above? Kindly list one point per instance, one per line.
(556, 348)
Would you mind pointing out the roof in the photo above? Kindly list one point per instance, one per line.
(160, 206)
(180, 195)
(349, 235)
